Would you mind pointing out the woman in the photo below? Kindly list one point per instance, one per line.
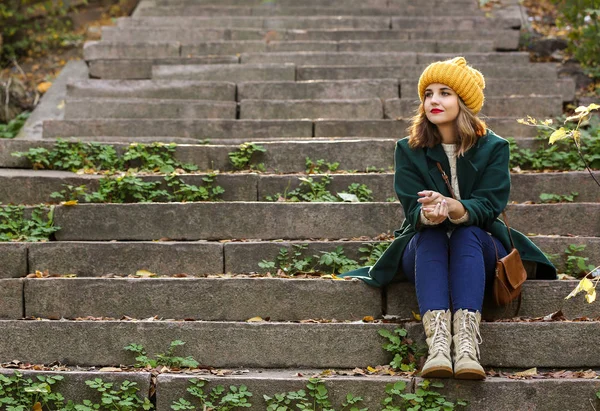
(449, 246)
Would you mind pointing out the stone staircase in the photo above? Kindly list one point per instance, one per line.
(327, 79)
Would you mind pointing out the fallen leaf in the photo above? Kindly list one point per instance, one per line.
(144, 274)
(371, 369)
(527, 373)
(69, 203)
(37, 406)
(110, 369)
(416, 316)
(368, 319)
(255, 320)
(44, 86)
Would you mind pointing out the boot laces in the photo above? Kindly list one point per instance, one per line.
(469, 329)
(441, 334)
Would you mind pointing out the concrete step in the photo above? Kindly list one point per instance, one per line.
(389, 58)
(93, 108)
(504, 39)
(102, 50)
(536, 106)
(165, 258)
(226, 72)
(423, 46)
(459, 10)
(497, 87)
(306, 90)
(135, 69)
(279, 299)
(285, 22)
(302, 109)
(153, 89)
(171, 130)
(546, 71)
(259, 220)
(493, 394)
(354, 154)
(454, 22)
(19, 186)
(306, 3)
(226, 344)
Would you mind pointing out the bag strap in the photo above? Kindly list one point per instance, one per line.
(445, 177)
(512, 243)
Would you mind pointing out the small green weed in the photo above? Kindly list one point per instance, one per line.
(318, 167)
(122, 398)
(373, 251)
(13, 127)
(405, 351)
(290, 264)
(373, 169)
(16, 226)
(391, 199)
(241, 159)
(218, 399)
(76, 155)
(316, 400)
(558, 198)
(577, 265)
(18, 393)
(336, 261)
(424, 398)
(168, 359)
(317, 190)
(128, 188)
(296, 263)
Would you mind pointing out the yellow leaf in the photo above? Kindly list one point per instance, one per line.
(371, 369)
(368, 319)
(526, 373)
(69, 203)
(44, 87)
(416, 316)
(590, 297)
(593, 107)
(559, 134)
(144, 274)
(255, 320)
(547, 122)
(521, 121)
(37, 407)
(586, 285)
(576, 135)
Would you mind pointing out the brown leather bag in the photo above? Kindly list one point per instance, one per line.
(510, 272)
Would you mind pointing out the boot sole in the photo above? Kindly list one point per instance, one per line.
(470, 375)
(439, 372)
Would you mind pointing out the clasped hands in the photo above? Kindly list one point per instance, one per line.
(436, 207)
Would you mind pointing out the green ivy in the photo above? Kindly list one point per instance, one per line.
(17, 223)
(404, 350)
(13, 127)
(218, 399)
(168, 359)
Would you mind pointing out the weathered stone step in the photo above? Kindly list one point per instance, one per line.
(536, 106)
(154, 89)
(135, 69)
(19, 186)
(238, 299)
(300, 22)
(384, 58)
(249, 129)
(93, 107)
(293, 90)
(493, 394)
(280, 157)
(538, 71)
(505, 39)
(226, 344)
(458, 10)
(323, 22)
(202, 258)
(227, 72)
(240, 220)
(370, 108)
(306, 3)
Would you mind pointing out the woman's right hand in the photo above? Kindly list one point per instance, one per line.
(436, 213)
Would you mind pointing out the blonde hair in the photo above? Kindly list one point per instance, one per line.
(468, 127)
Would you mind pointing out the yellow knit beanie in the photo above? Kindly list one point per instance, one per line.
(467, 82)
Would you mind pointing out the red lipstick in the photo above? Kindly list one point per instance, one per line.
(436, 111)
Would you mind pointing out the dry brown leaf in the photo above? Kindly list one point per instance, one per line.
(44, 87)
(368, 319)
(110, 369)
(527, 373)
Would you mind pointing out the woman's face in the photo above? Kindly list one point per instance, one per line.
(440, 104)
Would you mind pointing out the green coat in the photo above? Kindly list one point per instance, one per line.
(484, 183)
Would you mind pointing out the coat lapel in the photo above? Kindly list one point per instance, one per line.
(436, 155)
(467, 172)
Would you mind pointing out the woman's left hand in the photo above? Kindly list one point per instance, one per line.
(430, 198)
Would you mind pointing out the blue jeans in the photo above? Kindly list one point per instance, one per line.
(451, 269)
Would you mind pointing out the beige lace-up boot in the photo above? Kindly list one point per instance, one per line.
(466, 346)
(437, 329)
